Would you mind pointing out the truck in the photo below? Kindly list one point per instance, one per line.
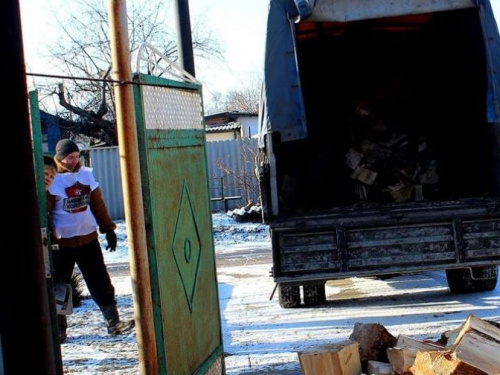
(379, 143)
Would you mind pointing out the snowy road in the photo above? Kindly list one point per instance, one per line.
(262, 338)
(259, 336)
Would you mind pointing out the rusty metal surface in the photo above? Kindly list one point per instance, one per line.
(132, 189)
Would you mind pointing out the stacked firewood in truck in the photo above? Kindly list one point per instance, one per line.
(388, 162)
(473, 348)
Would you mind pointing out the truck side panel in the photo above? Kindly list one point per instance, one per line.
(328, 248)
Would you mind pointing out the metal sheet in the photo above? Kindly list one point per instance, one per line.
(179, 227)
(354, 10)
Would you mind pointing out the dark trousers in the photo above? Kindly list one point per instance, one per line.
(90, 261)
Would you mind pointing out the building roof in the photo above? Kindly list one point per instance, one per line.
(223, 128)
(230, 114)
(226, 117)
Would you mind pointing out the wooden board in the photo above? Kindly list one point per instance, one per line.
(479, 325)
(402, 356)
(333, 359)
(442, 363)
(479, 352)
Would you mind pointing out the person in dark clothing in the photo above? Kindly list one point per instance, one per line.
(77, 210)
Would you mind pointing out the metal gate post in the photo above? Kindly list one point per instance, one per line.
(132, 191)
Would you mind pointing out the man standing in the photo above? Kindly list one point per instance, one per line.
(77, 211)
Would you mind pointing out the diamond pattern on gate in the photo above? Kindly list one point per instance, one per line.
(172, 108)
(186, 246)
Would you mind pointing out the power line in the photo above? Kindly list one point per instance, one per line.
(81, 78)
(101, 80)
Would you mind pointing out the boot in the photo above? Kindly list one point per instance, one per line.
(115, 326)
(62, 325)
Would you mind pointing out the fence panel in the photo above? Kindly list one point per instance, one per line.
(230, 169)
(231, 166)
(106, 165)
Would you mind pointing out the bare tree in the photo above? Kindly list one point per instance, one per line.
(244, 99)
(83, 51)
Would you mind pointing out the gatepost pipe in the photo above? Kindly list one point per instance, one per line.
(27, 344)
(132, 189)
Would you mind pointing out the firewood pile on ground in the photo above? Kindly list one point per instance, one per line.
(249, 213)
(473, 348)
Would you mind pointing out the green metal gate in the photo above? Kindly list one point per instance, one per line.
(174, 177)
(36, 130)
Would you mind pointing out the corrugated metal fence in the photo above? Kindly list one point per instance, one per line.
(231, 166)
(106, 165)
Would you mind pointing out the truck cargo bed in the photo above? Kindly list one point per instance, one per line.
(364, 241)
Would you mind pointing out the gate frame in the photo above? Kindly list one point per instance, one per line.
(178, 140)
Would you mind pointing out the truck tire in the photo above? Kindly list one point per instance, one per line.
(314, 294)
(482, 279)
(289, 296)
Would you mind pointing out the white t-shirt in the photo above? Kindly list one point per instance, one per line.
(71, 213)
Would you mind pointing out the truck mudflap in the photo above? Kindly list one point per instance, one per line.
(375, 241)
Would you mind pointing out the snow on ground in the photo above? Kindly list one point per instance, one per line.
(259, 336)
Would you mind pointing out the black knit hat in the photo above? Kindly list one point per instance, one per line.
(48, 161)
(65, 147)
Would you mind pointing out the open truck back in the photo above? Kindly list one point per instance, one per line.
(379, 142)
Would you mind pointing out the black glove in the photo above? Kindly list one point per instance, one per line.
(111, 238)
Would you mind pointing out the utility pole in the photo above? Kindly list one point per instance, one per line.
(184, 40)
(132, 188)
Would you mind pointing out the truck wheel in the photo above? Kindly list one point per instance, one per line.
(289, 296)
(482, 279)
(314, 294)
